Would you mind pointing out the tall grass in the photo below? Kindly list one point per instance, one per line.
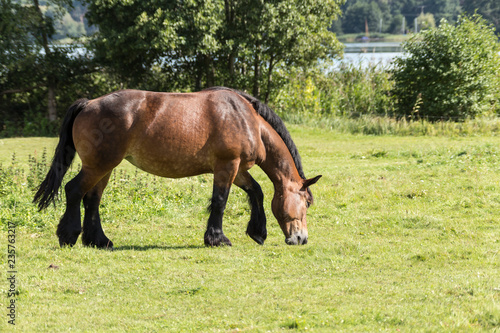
(18, 181)
(357, 100)
(379, 125)
(348, 91)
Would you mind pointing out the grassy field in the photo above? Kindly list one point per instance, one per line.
(404, 236)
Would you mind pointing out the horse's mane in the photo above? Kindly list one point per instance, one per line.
(276, 123)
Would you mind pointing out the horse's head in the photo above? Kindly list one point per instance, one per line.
(289, 206)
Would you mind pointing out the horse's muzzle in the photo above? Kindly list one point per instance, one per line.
(298, 238)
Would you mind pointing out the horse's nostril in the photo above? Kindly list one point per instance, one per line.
(299, 239)
(305, 241)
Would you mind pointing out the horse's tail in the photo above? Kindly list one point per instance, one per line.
(63, 157)
(276, 123)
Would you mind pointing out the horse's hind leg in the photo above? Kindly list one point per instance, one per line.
(256, 228)
(70, 227)
(224, 174)
(93, 235)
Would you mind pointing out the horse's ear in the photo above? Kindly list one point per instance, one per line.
(310, 181)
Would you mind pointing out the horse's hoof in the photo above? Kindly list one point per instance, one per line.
(67, 237)
(68, 241)
(258, 239)
(223, 242)
(105, 244)
(216, 239)
(108, 245)
(258, 236)
(63, 243)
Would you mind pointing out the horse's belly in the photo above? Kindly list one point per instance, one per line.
(170, 167)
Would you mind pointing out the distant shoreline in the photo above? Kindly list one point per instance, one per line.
(376, 37)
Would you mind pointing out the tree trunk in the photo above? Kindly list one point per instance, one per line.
(52, 111)
(209, 71)
(51, 85)
(229, 8)
(256, 68)
(269, 78)
(199, 73)
(231, 60)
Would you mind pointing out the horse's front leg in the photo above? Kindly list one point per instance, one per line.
(224, 175)
(256, 228)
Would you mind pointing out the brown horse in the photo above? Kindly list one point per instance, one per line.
(218, 130)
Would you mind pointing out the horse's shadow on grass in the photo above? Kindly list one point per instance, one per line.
(156, 247)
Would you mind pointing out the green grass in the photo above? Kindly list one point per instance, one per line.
(374, 125)
(404, 236)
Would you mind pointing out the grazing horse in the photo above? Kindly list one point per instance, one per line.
(217, 130)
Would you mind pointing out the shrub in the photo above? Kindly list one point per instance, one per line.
(426, 21)
(451, 72)
(347, 91)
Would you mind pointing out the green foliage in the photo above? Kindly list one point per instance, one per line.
(374, 125)
(489, 9)
(23, 113)
(348, 91)
(426, 21)
(16, 42)
(359, 12)
(32, 65)
(452, 72)
(442, 9)
(16, 188)
(204, 43)
(391, 13)
(69, 27)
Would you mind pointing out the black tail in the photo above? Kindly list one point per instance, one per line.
(275, 121)
(63, 156)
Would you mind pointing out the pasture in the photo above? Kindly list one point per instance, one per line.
(404, 236)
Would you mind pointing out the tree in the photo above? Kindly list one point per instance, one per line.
(356, 11)
(426, 21)
(38, 78)
(29, 59)
(291, 33)
(452, 72)
(396, 26)
(489, 9)
(360, 13)
(16, 43)
(212, 42)
(441, 9)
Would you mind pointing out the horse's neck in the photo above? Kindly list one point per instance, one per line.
(278, 163)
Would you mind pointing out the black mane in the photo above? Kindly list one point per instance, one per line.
(276, 123)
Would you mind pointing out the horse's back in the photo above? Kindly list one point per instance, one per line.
(169, 134)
